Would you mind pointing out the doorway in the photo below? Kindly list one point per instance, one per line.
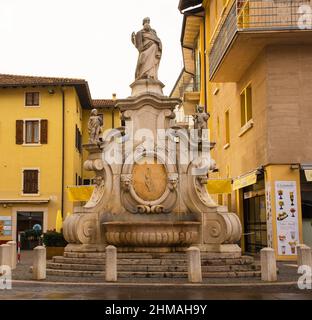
(29, 224)
(255, 224)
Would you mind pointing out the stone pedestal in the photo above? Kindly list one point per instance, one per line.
(39, 263)
(147, 86)
(268, 265)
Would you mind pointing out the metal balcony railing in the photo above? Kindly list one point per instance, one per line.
(257, 15)
(189, 87)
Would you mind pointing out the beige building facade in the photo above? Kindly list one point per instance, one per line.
(256, 86)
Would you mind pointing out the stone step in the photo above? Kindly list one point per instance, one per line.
(76, 267)
(178, 256)
(149, 275)
(78, 260)
(75, 273)
(125, 275)
(238, 274)
(244, 260)
(85, 255)
(155, 262)
(151, 268)
(223, 264)
(229, 268)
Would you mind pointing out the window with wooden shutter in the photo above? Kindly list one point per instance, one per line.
(32, 99)
(32, 132)
(44, 131)
(19, 134)
(30, 182)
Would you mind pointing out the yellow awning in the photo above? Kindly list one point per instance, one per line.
(308, 174)
(79, 193)
(219, 186)
(245, 181)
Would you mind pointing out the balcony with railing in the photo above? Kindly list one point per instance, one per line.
(239, 37)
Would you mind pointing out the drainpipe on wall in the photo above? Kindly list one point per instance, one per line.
(113, 118)
(205, 66)
(63, 149)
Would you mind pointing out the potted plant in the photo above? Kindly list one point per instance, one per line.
(54, 243)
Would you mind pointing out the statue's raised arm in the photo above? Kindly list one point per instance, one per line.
(150, 51)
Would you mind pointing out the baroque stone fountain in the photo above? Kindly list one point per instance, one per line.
(150, 195)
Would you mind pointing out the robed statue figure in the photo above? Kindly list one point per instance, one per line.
(150, 51)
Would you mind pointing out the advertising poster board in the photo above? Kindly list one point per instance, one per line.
(287, 220)
(268, 200)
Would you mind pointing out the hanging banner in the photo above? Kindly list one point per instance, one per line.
(219, 186)
(80, 193)
(287, 220)
(245, 181)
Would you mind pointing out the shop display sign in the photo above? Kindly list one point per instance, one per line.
(268, 199)
(287, 220)
(5, 226)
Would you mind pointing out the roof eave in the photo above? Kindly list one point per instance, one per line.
(185, 4)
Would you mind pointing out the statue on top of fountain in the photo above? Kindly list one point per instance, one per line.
(150, 52)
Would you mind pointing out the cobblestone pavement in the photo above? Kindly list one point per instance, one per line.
(55, 288)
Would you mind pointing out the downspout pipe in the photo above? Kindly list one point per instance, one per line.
(63, 150)
(205, 66)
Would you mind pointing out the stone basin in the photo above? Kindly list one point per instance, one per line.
(152, 234)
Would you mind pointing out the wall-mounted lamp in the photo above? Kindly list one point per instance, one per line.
(51, 91)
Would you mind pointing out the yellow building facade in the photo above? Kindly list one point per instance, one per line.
(42, 129)
(255, 81)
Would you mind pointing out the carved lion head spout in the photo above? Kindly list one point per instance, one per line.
(126, 181)
(173, 182)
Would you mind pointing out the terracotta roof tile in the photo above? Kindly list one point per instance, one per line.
(10, 79)
(81, 85)
(103, 103)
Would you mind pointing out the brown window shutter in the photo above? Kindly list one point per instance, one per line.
(34, 182)
(31, 185)
(44, 132)
(25, 182)
(19, 135)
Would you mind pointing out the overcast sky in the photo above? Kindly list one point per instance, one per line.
(87, 39)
